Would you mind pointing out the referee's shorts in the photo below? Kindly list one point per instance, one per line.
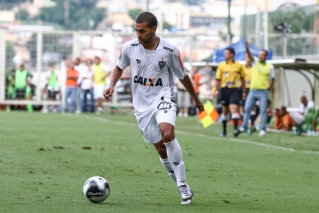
(229, 96)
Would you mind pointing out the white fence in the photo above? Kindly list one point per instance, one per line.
(37, 49)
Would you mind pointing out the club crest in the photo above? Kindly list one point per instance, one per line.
(162, 63)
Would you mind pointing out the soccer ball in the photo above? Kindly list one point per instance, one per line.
(96, 189)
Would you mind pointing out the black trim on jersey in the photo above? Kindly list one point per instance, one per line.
(157, 43)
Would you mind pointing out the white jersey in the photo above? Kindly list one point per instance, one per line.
(152, 72)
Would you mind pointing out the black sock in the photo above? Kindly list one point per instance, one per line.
(225, 126)
(236, 123)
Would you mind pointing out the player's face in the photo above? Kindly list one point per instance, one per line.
(262, 56)
(144, 33)
(228, 56)
(97, 61)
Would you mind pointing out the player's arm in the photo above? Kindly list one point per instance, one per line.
(122, 63)
(243, 83)
(180, 72)
(272, 77)
(116, 75)
(187, 83)
(218, 81)
(248, 51)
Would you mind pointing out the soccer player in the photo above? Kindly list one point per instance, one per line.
(153, 62)
(228, 77)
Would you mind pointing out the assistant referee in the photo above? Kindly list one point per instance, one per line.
(228, 77)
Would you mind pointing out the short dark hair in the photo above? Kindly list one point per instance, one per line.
(231, 50)
(265, 51)
(148, 18)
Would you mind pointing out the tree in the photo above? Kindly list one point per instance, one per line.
(192, 2)
(133, 13)
(167, 25)
(22, 15)
(53, 44)
(74, 14)
(9, 4)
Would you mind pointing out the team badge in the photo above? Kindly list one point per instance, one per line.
(162, 63)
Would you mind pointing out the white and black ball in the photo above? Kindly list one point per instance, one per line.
(96, 189)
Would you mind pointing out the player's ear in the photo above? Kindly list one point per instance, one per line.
(154, 28)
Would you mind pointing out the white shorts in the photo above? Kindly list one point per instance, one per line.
(98, 91)
(183, 99)
(161, 112)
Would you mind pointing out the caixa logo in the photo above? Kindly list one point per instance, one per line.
(149, 82)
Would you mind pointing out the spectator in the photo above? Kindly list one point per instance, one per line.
(10, 84)
(78, 67)
(71, 86)
(278, 121)
(22, 78)
(305, 105)
(53, 85)
(86, 82)
(197, 80)
(100, 73)
(287, 122)
(260, 84)
(183, 100)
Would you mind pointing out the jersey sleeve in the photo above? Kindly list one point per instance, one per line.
(177, 65)
(124, 60)
(219, 73)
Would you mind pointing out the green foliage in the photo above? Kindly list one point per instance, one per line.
(133, 13)
(167, 25)
(192, 2)
(52, 44)
(9, 55)
(9, 4)
(22, 15)
(294, 17)
(74, 14)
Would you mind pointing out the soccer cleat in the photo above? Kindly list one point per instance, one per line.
(186, 202)
(262, 133)
(241, 129)
(186, 193)
(223, 135)
(236, 133)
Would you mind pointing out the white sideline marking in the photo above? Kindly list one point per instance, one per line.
(201, 135)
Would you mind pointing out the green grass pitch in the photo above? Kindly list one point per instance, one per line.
(43, 167)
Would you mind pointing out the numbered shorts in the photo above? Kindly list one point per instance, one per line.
(162, 112)
(229, 96)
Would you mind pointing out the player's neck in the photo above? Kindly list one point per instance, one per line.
(153, 44)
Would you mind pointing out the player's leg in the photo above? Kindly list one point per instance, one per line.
(250, 103)
(224, 100)
(263, 102)
(175, 157)
(161, 149)
(165, 118)
(234, 100)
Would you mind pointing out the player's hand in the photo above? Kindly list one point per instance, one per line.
(215, 94)
(244, 96)
(246, 44)
(108, 94)
(199, 105)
